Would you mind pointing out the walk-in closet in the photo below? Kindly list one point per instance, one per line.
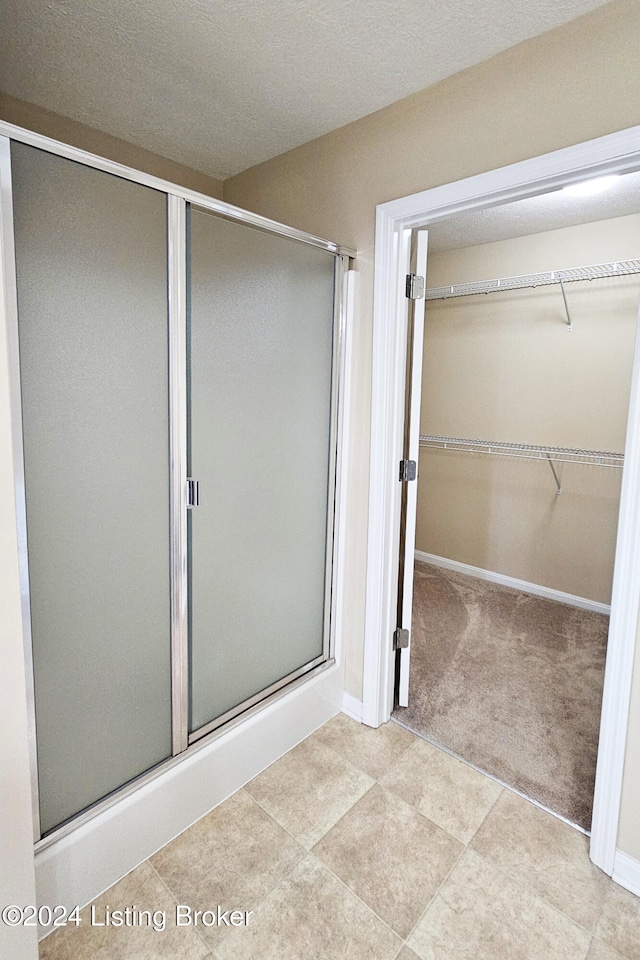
(531, 311)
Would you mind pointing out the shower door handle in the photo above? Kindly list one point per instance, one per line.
(193, 493)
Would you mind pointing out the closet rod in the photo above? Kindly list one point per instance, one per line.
(599, 458)
(598, 271)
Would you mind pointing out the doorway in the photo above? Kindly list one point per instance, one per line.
(617, 153)
(525, 391)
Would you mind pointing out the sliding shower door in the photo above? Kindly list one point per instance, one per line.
(175, 396)
(260, 347)
(91, 265)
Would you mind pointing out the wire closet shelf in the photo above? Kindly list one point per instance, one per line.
(600, 458)
(598, 271)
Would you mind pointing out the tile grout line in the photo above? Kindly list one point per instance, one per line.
(212, 953)
(354, 894)
(376, 782)
(435, 894)
(271, 889)
(310, 853)
(515, 880)
(532, 893)
(282, 827)
(280, 880)
(355, 768)
(614, 952)
(360, 724)
(420, 814)
(512, 790)
(507, 786)
(176, 901)
(466, 845)
(404, 941)
(267, 814)
(453, 865)
(324, 865)
(288, 872)
(477, 829)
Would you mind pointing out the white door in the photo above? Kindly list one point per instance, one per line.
(415, 335)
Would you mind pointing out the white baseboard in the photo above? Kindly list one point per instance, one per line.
(626, 872)
(352, 706)
(84, 863)
(534, 588)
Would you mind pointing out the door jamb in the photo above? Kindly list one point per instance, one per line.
(614, 153)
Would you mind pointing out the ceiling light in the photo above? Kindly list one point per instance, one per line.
(586, 188)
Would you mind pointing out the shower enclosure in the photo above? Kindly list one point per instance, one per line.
(177, 369)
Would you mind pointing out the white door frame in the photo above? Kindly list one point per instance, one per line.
(618, 152)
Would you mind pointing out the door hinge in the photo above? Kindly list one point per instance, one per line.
(400, 639)
(408, 470)
(193, 493)
(415, 287)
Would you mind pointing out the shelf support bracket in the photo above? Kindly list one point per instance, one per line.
(566, 305)
(555, 475)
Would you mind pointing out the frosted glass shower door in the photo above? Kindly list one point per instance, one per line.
(91, 262)
(260, 344)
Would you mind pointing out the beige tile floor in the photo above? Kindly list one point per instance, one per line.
(366, 844)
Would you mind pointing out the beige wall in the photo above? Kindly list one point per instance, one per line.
(504, 367)
(104, 145)
(573, 84)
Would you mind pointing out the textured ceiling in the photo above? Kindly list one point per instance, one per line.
(223, 84)
(550, 211)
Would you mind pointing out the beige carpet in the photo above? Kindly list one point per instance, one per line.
(509, 682)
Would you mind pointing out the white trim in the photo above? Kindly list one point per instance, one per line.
(623, 631)
(626, 872)
(387, 436)
(78, 867)
(536, 589)
(352, 706)
(617, 152)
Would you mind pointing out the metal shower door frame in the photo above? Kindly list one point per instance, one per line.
(177, 199)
